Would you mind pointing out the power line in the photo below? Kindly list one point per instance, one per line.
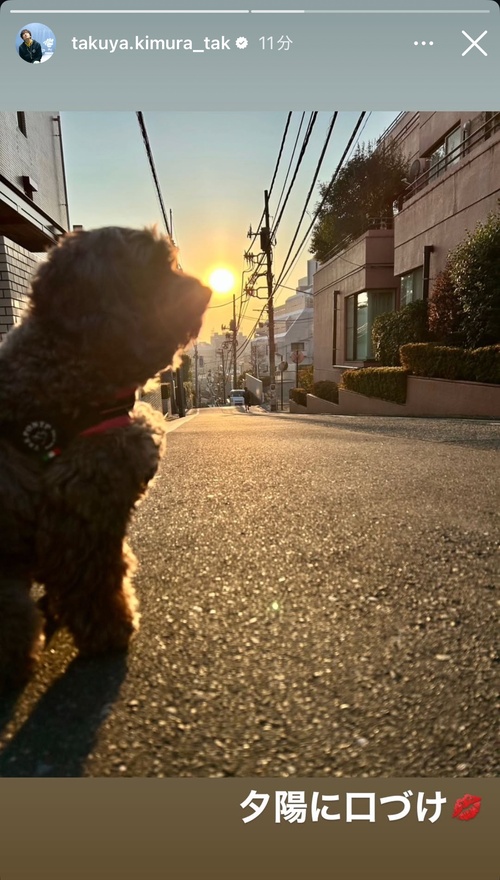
(290, 162)
(325, 196)
(288, 120)
(305, 143)
(280, 153)
(312, 120)
(142, 126)
(313, 184)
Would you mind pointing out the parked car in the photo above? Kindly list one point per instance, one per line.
(237, 396)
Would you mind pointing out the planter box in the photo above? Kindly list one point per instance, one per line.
(432, 398)
(318, 405)
(444, 397)
(297, 407)
(353, 404)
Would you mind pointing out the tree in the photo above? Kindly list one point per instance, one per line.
(445, 310)
(187, 368)
(365, 189)
(475, 275)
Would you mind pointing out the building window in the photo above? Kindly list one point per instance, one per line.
(446, 154)
(350, 312)
(21, 122)
(362, 326)
(411, 287)
(30, 186)
(361, 311)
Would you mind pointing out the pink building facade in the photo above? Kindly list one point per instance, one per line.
(454, 183)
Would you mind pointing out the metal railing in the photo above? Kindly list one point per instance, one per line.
(477, 136)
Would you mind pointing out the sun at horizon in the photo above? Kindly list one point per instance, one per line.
(221, 280)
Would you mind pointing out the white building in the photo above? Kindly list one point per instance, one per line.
(293, 331)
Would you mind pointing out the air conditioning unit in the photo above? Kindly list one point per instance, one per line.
(417, 168)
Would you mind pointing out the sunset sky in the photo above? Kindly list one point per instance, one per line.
(213, 169)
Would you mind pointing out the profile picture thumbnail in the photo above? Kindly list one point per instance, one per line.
(35, 43)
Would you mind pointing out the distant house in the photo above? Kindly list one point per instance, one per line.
(454, 182)
(293, 331)
(33, 203)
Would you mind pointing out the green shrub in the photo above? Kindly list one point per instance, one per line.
(306, 378)
(298, 395)
(387, 383)
(326, 390)
(188, 393)
(447, 362)
(435, 361)
(486, 363)
(394, 329)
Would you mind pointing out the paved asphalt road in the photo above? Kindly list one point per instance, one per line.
(319, 598)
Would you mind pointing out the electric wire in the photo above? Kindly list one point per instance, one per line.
(280, 153)
(149, 152)
(323, 200)
(312, 122)
(313, 184)
(289, 163)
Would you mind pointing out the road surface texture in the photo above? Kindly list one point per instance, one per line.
(319, 597)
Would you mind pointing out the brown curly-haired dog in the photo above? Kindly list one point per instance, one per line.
(108, 310)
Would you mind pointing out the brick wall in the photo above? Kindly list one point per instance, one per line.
(16, 268)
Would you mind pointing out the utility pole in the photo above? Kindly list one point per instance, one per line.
(196, 393)
(221, 350)
(266, 247)
(233, 334)
(179, 375)
(235, 374)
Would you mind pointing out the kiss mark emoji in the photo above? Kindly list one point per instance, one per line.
(467, 807)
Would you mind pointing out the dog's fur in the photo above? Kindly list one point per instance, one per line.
(108, 310)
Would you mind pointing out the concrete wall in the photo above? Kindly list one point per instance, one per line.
(444, 211)
(38, 154)
(431, 398)
(255, 386)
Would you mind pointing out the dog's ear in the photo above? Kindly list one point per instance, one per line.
(118, 299)
(99, 271)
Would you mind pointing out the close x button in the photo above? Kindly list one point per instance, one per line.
(474, 43)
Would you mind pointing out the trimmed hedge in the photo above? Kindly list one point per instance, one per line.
(326, 390)
(386, 383)
(450, 362)
(434, 361)
(486, 362)
(298, 395)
